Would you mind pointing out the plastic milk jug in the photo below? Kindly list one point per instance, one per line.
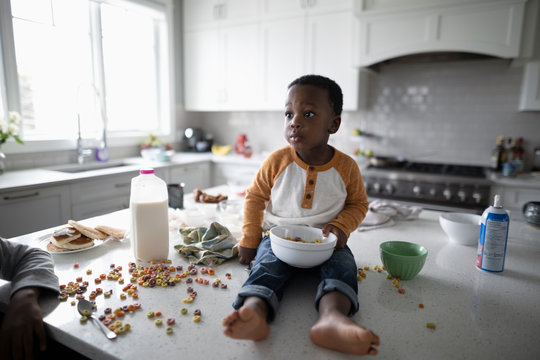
(493, 237)
(149, 217)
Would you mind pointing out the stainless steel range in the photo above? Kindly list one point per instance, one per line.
(432, 186)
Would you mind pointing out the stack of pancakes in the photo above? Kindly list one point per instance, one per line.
(75, 236)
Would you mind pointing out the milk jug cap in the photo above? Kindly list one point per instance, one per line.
(497, 201)
(146, 171)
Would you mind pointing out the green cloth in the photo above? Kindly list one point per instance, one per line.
(208, 246)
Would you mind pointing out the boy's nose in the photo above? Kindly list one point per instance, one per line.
(295, 123)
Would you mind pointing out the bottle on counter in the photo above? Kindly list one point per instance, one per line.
(493, 238)
(498, 155)
(149, 217)
(518, 154)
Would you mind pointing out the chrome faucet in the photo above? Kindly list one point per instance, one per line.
(101, 151)
(82, 152)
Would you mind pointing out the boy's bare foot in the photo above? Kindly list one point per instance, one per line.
(249, 322)
(337, 332)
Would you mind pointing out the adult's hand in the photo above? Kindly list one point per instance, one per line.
(22, 326)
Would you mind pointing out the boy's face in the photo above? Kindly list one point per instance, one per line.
(309, 119)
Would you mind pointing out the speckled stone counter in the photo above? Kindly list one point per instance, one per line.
(478, 315)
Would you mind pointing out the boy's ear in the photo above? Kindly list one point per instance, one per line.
(334, 124)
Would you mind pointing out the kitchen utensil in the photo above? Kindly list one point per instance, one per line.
(387, 161)
(402, 259)
(461, 228)
(85, 308)
(531, 212)
(301, 254)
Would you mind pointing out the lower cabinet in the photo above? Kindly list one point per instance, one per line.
(192, 175)
(233, 174)
(26, 211)
(100, 196)
(514, 197)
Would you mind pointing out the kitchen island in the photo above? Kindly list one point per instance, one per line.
(477, 314)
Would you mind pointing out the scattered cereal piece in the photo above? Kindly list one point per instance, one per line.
(169, 330)
(184, 311)
(421, 306)
(401, 290)
(158, 322)
(431, 325)
(196, 318)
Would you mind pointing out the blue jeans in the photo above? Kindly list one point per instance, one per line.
(269, 277)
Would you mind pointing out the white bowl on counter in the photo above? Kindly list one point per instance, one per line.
(301, 254)
(461, 228)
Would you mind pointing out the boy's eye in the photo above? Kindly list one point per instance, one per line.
(288, 115)
(309, 114)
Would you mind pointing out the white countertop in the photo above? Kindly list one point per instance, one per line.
(477, 314)
(24, 179)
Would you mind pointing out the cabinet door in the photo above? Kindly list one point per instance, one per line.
(193, 176)
(204, 70)
(283, 8)
(23, 212)
(201, 13)
(103, 206)
(284, 58)
(331, 55)
(234, 175)
(243, 81)
(101, 195)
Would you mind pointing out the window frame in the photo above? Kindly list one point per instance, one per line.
(9, 85)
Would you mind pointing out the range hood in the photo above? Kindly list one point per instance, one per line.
(442, 31)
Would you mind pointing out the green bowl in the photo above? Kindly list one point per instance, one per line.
(403, 259)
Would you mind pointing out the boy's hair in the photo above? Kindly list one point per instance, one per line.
(334, 91)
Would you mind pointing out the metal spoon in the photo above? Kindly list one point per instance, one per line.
(85, 309)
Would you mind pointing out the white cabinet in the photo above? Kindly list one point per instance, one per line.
(222, 56)
(22, 212)
(317, 38)
(243, 57)
(193, 176)
(233, 174)
(530, 88)
(100, 195)
(487, 27)
(514, 197)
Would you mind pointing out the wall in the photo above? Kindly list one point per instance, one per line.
(447, 112)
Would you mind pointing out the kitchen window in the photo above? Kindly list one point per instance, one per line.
(81, 61)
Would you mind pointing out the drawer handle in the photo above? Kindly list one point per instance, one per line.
(121, 185)
(21, 196)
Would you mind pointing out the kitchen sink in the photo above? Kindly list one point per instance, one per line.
(78, 168)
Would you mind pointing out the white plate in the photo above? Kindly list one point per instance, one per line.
(44, 240)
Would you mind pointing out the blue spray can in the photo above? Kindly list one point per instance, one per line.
(493, 237)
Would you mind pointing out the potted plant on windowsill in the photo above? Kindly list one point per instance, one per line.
(154, 149)
(9, 129)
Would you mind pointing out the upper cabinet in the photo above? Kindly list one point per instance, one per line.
(241, 55)
(308, 37)
(391, 28)
(222, 55)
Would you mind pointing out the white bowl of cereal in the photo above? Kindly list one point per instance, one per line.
(301, 246)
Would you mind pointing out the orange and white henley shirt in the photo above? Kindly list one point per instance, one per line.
(287, 191)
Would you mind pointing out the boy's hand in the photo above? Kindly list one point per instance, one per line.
(245, 255)
(341, 237)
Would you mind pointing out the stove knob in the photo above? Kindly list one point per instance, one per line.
(462, 195)
(432, 192)
(417, 190)
(377, 187)
(477, 197)
(447, 193)
(389, 188)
